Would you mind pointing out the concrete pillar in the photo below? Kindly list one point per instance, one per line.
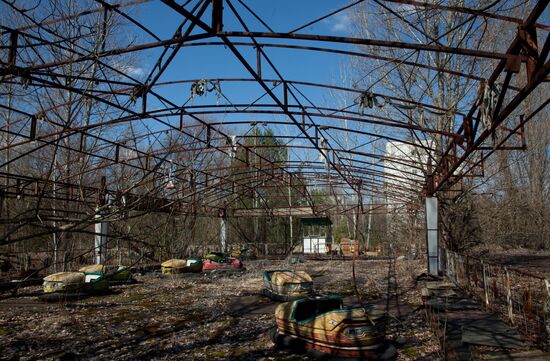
(101, 238)
(223, 236)
(432, 234)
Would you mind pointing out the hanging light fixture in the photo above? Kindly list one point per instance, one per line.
(170, 185)
(169, 179)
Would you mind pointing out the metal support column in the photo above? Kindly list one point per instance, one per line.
(432, 234)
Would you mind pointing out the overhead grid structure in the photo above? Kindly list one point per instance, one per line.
(114, 143)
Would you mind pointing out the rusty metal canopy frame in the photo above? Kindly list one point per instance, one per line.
(118, 158)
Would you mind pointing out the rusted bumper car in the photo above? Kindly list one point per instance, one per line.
(68, 286)
(287, 285)
(219, 262)
(323, 327)
(176, 266)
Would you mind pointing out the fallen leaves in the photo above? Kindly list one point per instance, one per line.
(197, 317)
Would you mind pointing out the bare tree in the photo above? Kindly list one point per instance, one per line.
(442, 87)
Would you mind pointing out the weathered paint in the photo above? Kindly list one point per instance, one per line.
(288, 283)
(342, 331)
(174, 266)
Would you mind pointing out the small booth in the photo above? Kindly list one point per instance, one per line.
(316, 235)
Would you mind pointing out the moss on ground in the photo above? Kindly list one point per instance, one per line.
(410, 352)
(223, 326)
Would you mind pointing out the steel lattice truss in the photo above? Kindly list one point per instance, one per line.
(99, 135)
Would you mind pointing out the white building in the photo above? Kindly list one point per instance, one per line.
(404, 170)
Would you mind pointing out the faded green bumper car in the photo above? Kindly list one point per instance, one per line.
(186, 265)
(115, 275)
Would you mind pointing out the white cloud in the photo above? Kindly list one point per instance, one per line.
(134, 71)
(340, 23)
(405, 8)
(131, 70)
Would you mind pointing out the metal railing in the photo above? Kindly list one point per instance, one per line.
(521, 298)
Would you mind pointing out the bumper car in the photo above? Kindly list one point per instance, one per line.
(115, 275)
(220, 262)
(286, 285)
(243, 254)
(68, 286)
(323, 327)
(175, 266)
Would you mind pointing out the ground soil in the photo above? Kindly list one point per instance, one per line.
(535, 262)
(201, 317)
